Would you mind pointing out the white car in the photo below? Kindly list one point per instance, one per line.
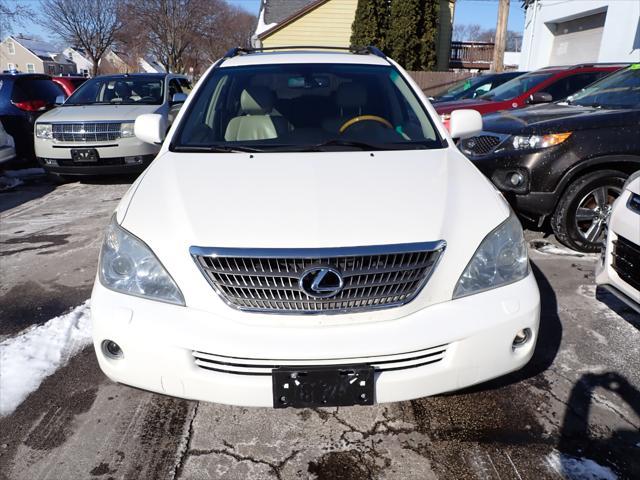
(309, 235)
(91, 133)
(619, 268)
(7, 146)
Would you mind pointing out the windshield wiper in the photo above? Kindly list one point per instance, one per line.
(337, 142)
(214, 149)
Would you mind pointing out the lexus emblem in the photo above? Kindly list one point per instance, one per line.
(471, 143)
(321, 282)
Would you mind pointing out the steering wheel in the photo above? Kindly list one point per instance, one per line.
(364, 118)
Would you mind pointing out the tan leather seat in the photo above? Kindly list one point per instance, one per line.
(256, 121)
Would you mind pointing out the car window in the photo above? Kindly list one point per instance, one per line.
(185, 85)
(26, 89)
(571, 84)
(618, 90)
(174, 87)
(298, 106)
(119, 91)
(516, 87)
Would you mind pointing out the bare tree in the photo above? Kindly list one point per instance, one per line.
(88, 24)
(228, 27)
(11, 15)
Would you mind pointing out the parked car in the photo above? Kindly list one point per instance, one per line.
(619, 268)
(297, 242)
(473, 87)
(23, 98)
(69, 83)
(542, 86)
(92, 132)
(7, 146)
(566, 161)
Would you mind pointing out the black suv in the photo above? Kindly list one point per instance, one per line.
(565, 161)
(23, 98)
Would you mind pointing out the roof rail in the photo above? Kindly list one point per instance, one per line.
(357, 50)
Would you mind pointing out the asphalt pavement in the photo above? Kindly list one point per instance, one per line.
(572, 412)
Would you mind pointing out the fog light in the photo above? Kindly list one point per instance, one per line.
(133, 160)
(516, 179)
(521, 337)
(51, 161)
(112, 350)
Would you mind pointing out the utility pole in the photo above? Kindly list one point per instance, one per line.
(501, 36)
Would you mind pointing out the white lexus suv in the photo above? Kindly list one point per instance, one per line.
(309, 235)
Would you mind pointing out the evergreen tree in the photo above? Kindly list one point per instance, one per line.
(371, 23)
(429, 34)
(403, 36)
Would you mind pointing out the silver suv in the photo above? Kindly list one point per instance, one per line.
(92, 131)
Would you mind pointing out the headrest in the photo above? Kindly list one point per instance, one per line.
(257, 100)
(351, 95)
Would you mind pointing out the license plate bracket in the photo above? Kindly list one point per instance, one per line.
(83, 155)
(325, 386)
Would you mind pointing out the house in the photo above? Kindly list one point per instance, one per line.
(33, 56)
(328, 23)
(580, 31)
(84, 66)
(149, 64)
(115, 62)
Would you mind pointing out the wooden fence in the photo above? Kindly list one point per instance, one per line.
(434, 82)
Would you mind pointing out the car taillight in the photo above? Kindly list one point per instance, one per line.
(31, 105)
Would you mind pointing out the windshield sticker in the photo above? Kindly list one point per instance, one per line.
(393, 75)
(635, 66)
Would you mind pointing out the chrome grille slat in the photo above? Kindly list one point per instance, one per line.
(269, 280)
(86, 132)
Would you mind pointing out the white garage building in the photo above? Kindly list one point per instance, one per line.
(580, 31)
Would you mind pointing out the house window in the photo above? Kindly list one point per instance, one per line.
(51, 69)
(11, 66)
(11, 47)
(31, 68)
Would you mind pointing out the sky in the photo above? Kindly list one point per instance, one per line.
(482, 12)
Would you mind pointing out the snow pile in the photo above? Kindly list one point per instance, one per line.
(573, 468)
(26, 360)
(7, 183)
(549, 248)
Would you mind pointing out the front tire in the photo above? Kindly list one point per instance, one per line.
(581, 214)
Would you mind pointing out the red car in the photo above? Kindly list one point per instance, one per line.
(69, 84)
(542, 86)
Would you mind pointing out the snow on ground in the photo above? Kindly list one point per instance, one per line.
(572, 468)
(549, 248)
(27, 359)
(7, 183)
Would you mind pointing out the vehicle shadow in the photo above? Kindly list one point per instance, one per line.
(577, 443)
(107, 179)
(30, 189)
(619, 307)
(547, 346)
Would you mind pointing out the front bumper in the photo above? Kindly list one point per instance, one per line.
(159, 342)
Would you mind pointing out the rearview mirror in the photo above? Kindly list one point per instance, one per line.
(150, 128)
(178, 98)
(60, 99)
(465, 123)
(540, 97)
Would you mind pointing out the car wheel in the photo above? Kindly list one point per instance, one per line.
(580, 217)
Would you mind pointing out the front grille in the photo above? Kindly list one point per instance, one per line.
(85, 132)
(258, 366)
(269, 280)
(480, 145)
(626, 261)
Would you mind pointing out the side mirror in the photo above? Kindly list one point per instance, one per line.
(150, 128)
(465, 123)
(60, 99)
(540, 97)
(178, 98)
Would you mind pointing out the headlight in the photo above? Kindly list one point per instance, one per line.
(43, 130)
(500, 259)
(526, 142)
(126, 130)
(129, 266)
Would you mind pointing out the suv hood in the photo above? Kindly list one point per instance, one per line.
(300, 200)
(92, 113)
(555, 117)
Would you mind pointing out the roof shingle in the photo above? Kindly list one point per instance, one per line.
(275, 11)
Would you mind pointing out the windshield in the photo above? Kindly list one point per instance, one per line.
(516, 87)
(119, 91)
(462, 89)
(618, 90)
(305, 107)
